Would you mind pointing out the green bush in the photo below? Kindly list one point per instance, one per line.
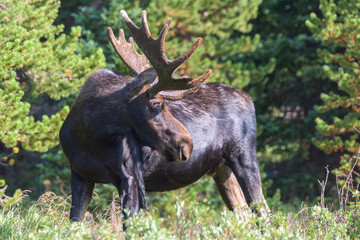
(7, 202)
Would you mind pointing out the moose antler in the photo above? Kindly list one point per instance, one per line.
(153, 49)
(126, 51)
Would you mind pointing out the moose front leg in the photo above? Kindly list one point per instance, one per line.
(129, 196)
(81, 191)
(128, 177)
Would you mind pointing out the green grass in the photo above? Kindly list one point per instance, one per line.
(48, 219)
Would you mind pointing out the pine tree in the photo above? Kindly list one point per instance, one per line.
(285, 98)
(38, 64)
(37, 59)
(338, 27)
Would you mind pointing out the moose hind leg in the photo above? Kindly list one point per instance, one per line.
(229, 188)
(246, 169)
(81, 191)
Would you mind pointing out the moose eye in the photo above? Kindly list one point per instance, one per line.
(156, 106)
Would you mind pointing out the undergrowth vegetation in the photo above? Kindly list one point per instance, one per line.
(48, 218)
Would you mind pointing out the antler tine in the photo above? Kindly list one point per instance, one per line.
(144, 24)
(181, 83)
(198, 81)
(180, 60)
(193, 87)
(164, 31)
(129, 23)
(135, 62)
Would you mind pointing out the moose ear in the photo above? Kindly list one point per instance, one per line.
(144, 78)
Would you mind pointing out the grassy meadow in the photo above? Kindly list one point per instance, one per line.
(48, 218)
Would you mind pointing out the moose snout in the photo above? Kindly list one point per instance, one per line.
(184, 149)
(184, 153)
(178, 150)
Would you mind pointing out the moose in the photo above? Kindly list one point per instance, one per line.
(157, 132)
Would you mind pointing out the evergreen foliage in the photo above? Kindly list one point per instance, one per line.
(338, 28)
(285, 98)
(37, 59)
(38, 64)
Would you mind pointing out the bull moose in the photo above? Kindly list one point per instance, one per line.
(157, 132)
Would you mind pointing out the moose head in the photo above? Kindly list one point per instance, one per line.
(148, 114)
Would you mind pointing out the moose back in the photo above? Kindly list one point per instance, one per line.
(157, 132)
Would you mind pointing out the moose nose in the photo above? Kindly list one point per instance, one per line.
(184, 152)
